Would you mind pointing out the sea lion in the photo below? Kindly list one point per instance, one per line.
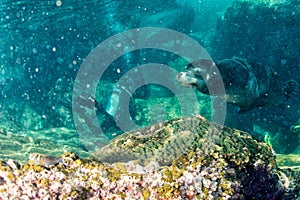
(247, 85)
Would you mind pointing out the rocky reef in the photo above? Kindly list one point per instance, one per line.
(184, 158)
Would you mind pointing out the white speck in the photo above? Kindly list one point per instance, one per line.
(36, 69)
(119, 45)
(118, 71)
(58, 3)
(34, 50)
(54, 49)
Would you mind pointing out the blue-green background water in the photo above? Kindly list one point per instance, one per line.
(44, 43)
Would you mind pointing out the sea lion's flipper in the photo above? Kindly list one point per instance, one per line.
(290, 87)
(258, 103)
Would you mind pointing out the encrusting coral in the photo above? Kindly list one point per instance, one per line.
(185, 158)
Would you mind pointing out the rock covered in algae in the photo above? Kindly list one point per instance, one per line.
(186, 158)
(169, 140)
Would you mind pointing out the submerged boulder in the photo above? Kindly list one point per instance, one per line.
(204, 159)
(167, 141)
(185, 158)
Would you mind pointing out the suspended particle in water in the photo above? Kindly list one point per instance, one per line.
(58, 3)
(283, 61)
(119, 45)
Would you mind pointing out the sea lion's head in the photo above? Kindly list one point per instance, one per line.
(196, 74)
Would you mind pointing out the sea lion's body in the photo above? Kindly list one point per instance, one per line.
(246, 85)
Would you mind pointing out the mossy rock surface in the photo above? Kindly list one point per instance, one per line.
(185, 158)
(217, 161)
(170, 140)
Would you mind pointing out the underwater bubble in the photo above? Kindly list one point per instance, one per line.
(34, 50)
(58, 3)
(18, 60)
(119, 45)
(26, 96)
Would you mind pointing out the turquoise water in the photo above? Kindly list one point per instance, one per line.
(44, 44)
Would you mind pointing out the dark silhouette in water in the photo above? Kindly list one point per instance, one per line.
(87, 104)
(247, 85)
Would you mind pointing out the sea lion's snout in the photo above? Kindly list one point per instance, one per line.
(195, 75)
(186, 79)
